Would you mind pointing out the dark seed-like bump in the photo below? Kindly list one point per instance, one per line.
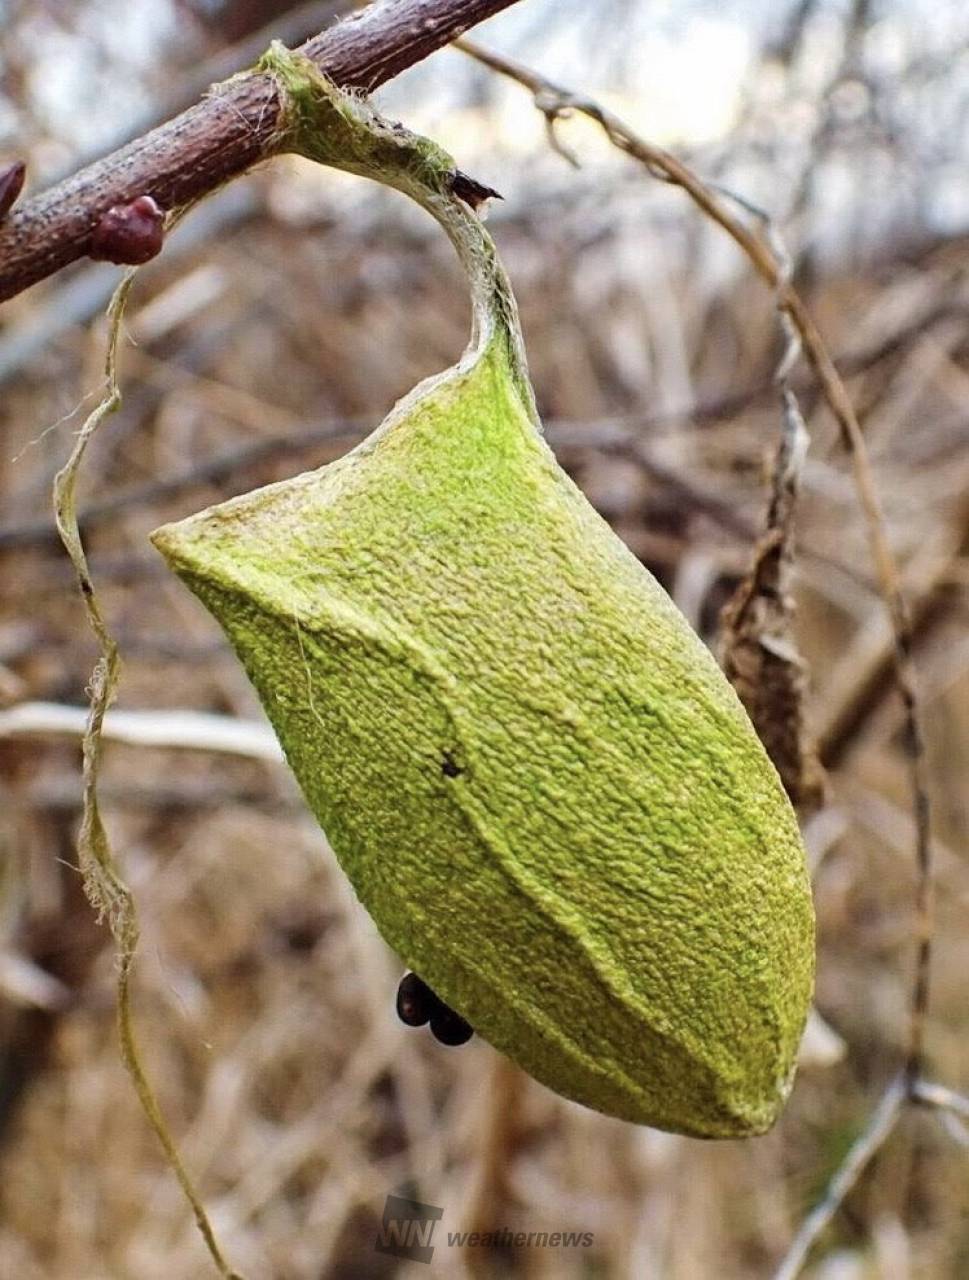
(449, 1027)
(416, 1002)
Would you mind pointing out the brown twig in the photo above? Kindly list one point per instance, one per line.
(866, 1146)
(877, 1131)
(951, 1108)
(603, 436)
(498, 1137)
(292, 27)
(937, 1095)
(759, 651)
(864, 672)
(226, 133)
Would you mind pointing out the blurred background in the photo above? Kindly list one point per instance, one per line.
(285, 316)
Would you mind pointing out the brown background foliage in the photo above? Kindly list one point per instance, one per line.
(267, 341)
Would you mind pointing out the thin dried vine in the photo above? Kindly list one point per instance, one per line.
(103, 882)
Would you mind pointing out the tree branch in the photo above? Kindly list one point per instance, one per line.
(221, 136)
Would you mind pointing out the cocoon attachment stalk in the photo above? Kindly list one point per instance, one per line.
(539, 782)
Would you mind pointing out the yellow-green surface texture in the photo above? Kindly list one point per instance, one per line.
(540, 784)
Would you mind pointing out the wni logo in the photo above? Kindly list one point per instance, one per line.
(407, 1229)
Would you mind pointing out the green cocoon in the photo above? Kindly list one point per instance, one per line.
(537, 779)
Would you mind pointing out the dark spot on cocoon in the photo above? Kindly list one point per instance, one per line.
(450, 767)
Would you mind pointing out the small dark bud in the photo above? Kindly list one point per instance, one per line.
(129, 234)
(449, 1027)
(11, 184)
(472, 192)
(416, 1002)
